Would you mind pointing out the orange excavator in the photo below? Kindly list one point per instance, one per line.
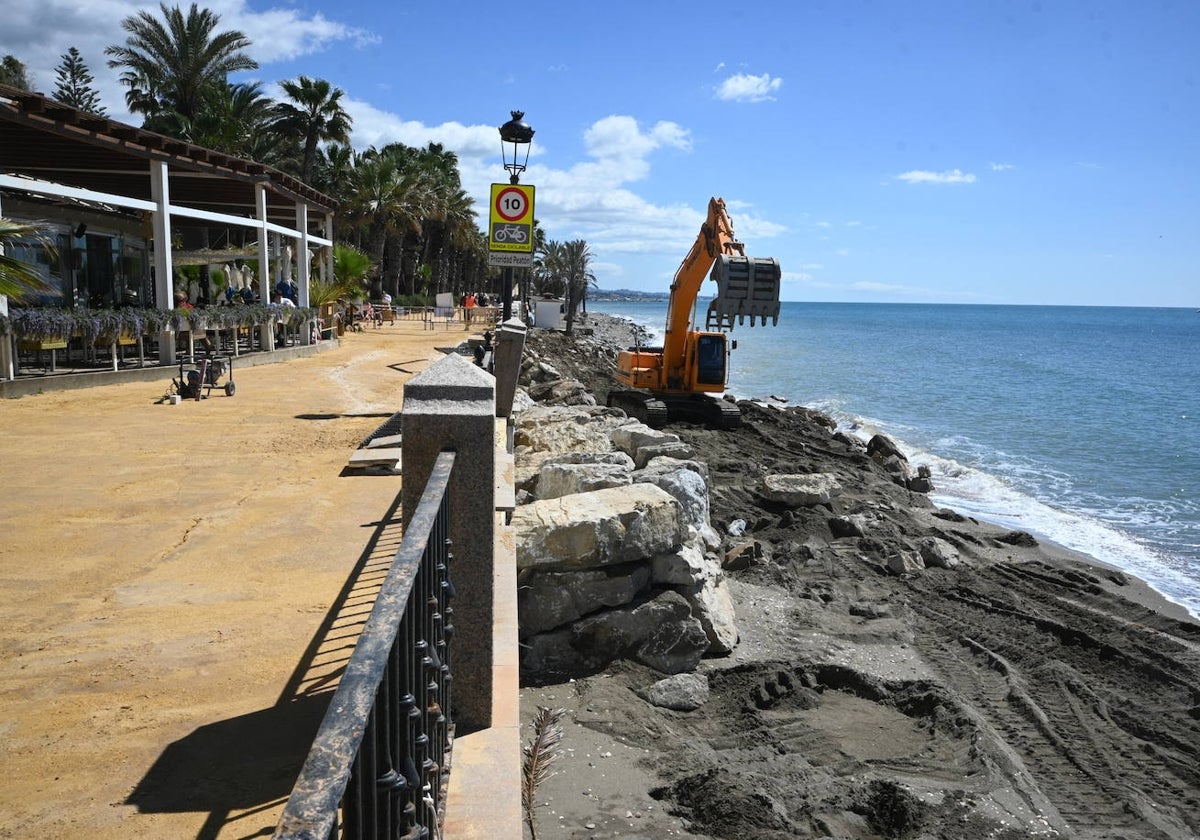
(675, 381)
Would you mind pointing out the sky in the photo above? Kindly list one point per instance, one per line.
(973, 151)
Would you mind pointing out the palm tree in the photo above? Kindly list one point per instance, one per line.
(567, 266)
(334, 170)
(545, 270)
(235, 119)
(170, 64)
(314, 114)
(387, 199)
(351, 268)
(18, 279)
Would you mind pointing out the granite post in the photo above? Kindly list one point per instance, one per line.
(452, 406)
(506, 363)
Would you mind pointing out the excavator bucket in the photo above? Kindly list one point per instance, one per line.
(746, 287)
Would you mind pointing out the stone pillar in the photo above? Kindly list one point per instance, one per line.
(506, 362)
(452, 405)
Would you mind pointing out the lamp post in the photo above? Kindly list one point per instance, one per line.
(515, 136)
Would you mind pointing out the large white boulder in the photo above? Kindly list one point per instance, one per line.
(712, 604)
(588, 471)
(687, 487)
(801, 490)
(600, 528)
(550, 432)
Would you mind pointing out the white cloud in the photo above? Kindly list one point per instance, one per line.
(797, 277)
(745, 88)
(621, 138)
(284, 34)
(923, 176)
(870, 286)
(374, 127)
(1001, 167)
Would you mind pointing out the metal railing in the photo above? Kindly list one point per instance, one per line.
(378, 765)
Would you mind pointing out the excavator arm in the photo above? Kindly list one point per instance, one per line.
(746, 287)
(677, 378)
(716, 237)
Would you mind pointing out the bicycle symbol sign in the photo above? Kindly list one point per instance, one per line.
(511, 233)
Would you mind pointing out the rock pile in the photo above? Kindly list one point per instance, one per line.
(617, 557)
(615, 554)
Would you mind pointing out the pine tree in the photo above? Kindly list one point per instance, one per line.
(74, 85)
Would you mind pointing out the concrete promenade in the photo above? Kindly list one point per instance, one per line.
(179, 585)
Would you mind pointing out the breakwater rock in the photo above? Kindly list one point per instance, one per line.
(615, 553)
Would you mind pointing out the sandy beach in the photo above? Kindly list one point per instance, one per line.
(1024, 692)
(179, 582)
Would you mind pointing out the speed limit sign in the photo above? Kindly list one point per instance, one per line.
(511, 227)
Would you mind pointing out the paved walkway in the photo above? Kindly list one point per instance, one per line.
(180, 584)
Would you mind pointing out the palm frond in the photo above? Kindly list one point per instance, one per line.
(540, 755)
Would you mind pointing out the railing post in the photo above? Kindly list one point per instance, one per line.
(452, 405)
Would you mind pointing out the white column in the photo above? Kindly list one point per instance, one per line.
(327, 266)
(8, 368)
(303, 267)
(164, 281)
(303, 258)
(266, 335)
(264, 262)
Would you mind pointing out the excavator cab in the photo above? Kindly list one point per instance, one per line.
(711, 356)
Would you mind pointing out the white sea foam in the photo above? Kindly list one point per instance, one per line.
(993, 498)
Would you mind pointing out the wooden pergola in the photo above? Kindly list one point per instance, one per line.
(50, 151)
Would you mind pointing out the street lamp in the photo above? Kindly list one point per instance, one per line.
(517, 134)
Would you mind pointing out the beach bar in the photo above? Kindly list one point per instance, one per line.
(108, 196)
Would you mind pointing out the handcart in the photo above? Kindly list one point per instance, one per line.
(197, 378)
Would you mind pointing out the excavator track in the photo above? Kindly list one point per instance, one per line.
(702, 409)
(641, 406)
(657, 410)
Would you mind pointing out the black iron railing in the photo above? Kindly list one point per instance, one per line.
(377, 768)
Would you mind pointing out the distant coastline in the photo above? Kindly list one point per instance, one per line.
(625, 295)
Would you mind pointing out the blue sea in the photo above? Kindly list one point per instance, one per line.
(1077, 424)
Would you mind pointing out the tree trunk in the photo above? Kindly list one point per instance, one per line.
(393, 263)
